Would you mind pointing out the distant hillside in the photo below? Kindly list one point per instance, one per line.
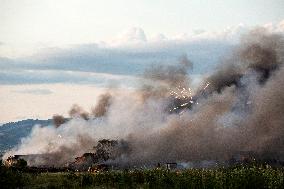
(11, 133)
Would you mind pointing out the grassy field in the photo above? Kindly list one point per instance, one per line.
(234, 177)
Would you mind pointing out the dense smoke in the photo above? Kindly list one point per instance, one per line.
(77, 111)
(161, 82)
(58, 120)
(104, 102)
(258, 52)
(171, 75)
(241, 109)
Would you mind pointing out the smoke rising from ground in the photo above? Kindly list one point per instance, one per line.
(102, 106)
(159, 80)
(242, 109)
(58, 120)
(76, 111)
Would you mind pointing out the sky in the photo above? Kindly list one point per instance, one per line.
(69, 51)
(60, 22)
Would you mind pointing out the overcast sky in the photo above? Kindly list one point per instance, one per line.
(63, 50)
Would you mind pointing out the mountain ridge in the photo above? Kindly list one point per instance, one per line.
(11, 133)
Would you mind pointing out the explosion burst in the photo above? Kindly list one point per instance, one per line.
(184, 97)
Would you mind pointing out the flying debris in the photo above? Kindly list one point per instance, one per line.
(207, 84)
(183, 98)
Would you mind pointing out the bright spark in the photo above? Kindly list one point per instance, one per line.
(184, 104)
(183, 94)
(206, 85)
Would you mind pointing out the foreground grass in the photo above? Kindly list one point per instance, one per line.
(235, 177)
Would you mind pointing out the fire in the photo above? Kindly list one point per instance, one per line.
(185, 95)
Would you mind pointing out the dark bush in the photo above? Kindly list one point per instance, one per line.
(235, 177)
